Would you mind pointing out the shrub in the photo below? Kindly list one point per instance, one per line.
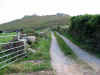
(86, 28)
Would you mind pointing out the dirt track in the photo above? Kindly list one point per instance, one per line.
(90, 59)
(64, 65)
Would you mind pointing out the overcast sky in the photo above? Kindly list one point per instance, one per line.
(15, 9)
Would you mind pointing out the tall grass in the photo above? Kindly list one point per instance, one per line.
(64, 47)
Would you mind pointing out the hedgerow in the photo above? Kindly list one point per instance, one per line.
(86, 29)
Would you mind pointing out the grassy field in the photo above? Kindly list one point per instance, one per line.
(38, 61)
(28, 23)
(4, 38)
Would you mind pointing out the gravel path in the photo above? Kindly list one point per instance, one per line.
(90, 59)
(62, 64)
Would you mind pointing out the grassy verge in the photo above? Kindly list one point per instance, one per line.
(28, 64)
(66, 49)
(73, 40)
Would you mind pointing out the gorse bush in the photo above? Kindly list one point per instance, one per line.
(86, 29)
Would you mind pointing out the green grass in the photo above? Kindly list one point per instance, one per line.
(28, 67)
(42, 53)
(71, 38)
(6, 39)
(5, 34)
(29, 23)
(64, 47)
(42, 49)
(3, 71)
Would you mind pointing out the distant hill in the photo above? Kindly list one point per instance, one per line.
(35, 22)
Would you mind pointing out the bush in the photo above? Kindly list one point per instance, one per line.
(86, 28)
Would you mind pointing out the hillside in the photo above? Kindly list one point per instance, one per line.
(34, 22)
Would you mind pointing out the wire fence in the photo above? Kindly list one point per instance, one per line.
(11, 52)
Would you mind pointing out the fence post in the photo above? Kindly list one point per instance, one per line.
(18, 35)
(25, 46)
